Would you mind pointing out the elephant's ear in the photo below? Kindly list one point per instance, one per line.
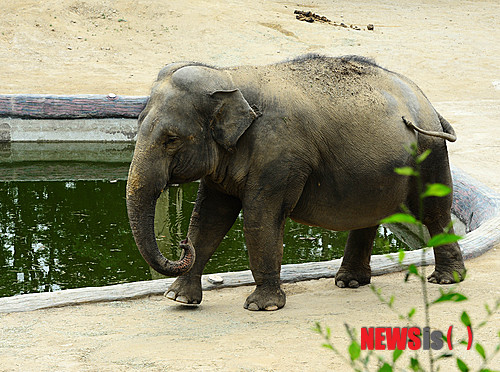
(232, 117)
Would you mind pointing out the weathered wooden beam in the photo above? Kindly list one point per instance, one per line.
(475, 243)
(43, 106)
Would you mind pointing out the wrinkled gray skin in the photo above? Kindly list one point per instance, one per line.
(315, 139)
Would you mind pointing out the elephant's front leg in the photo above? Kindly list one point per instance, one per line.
(213, 215)
(264, 237)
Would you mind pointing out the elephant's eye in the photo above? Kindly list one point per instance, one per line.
(170, 140)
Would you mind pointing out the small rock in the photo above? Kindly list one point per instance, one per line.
(370, 27)
(215, 279)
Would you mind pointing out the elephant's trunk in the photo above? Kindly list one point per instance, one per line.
(141, 203)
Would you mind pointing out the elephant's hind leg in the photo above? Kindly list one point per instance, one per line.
(355, 269)
(449, 267)
(437, 216)
(213, 215)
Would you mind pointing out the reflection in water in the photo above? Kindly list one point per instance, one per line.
(70, 234)
(57, 235)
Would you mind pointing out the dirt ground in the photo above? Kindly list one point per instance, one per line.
(450, 48)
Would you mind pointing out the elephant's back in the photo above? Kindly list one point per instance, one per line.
(313, 76)
(345, 102)
(339, 87)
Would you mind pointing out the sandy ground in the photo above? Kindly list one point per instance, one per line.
(451, 49)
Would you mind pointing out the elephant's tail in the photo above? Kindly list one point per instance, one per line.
(448, 134)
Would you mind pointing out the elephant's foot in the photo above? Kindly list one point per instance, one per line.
(352, 277)
(447, 274)
(266, 297)
(185, 290)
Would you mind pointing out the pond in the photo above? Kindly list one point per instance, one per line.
(63, 223)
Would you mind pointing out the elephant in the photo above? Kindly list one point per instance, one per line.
(315, 139)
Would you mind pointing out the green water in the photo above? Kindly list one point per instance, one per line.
(69, 234)
(60, 230)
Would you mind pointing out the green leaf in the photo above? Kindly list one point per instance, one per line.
(412, 269)
(354, 350)
(465, 319)
(396, 354)
(400, 218)
(488, 310)
(412, 149)
(385, 368)
(391, 301)
(415, 364)
(401, 255)
(411, 313)
(436, 189)
(443, 239)
(406, 171)
(327, 346)
(480, 351)
(450, 296)
(462, 366)
(423, 156)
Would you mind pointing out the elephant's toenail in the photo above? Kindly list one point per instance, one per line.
(170, 295)
(253, 307)
(272, 308)
(340, 284)
(353, 284)
(182, 299)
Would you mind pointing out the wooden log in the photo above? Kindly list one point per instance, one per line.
(475, 243)
(40, 106)
(473, 202)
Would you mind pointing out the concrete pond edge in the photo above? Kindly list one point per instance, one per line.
(476, 205)
(64, 118)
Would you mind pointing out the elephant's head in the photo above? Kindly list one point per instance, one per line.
(194, 114)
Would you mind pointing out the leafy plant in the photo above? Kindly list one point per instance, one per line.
(358, 359)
